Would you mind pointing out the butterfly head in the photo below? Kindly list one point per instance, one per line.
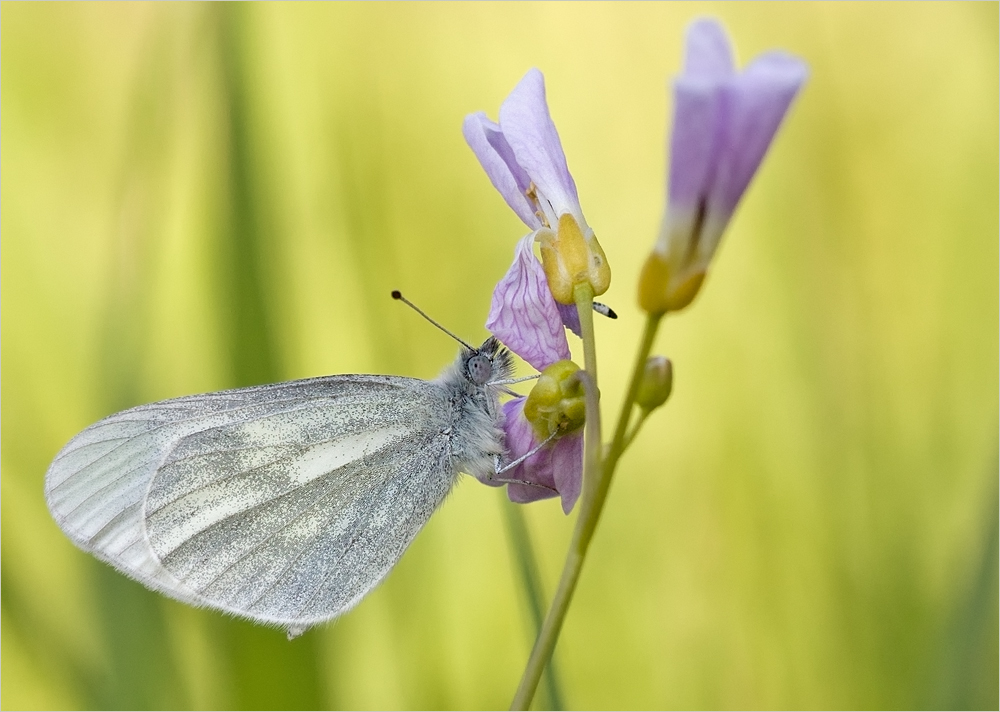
(490, 362)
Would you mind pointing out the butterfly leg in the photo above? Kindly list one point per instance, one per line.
(505, 481)
(526, 455)
(499, 470)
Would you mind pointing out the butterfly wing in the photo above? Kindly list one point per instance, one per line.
(284, 503)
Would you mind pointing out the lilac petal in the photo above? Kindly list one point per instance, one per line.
(520, 439)
(567, 463)
(570, 317)
(524, 315)
(708, 54)
(693, 142)
(495, 155)
(557, 467)
(754, 104)
(528, 128)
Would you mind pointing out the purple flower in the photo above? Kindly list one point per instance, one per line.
(531, 305)
(724, 122)
(524, 315)
(524, 159)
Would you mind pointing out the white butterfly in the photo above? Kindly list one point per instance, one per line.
(286, 503)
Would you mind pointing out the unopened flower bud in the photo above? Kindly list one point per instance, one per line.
(557, 403)
(657, 382)
(569, 258)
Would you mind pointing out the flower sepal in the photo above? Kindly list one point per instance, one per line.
(570, 258)
(659, 289)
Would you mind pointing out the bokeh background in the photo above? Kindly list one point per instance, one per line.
(197, 197)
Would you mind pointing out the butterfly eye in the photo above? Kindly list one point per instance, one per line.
(480, 369)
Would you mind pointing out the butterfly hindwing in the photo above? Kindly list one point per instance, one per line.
(282, 503)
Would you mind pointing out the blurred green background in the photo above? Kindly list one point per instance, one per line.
(197, 197)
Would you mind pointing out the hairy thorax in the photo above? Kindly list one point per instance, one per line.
(476, 436)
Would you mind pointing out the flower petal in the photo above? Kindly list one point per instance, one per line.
(528, 128)
(566, 462)
(570, 317)
(693, 142)
(695, 137)
(524, 315)
(753, 106)
(723, 125)
(519, 437)
(495, 155)
(708, 53)
(558, 468)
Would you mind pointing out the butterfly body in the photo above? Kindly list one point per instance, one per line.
(285, 503)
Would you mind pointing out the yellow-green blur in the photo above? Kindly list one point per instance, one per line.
(196, 197)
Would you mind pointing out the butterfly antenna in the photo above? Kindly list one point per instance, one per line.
(396, 294)
(605, 310)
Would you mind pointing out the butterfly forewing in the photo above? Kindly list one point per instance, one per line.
(283, 503)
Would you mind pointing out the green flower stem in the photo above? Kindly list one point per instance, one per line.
(583, 293)
(527, 566)
(648, 336)
(549, 634)
(590, 512)
(594, 492)
(643, 414)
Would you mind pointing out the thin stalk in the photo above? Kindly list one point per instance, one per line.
(590, 514)
(643, 414)
(584, 295)
(541, 653)
(596, 483)
(527, 566)
(645, 346)
(546, 642)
